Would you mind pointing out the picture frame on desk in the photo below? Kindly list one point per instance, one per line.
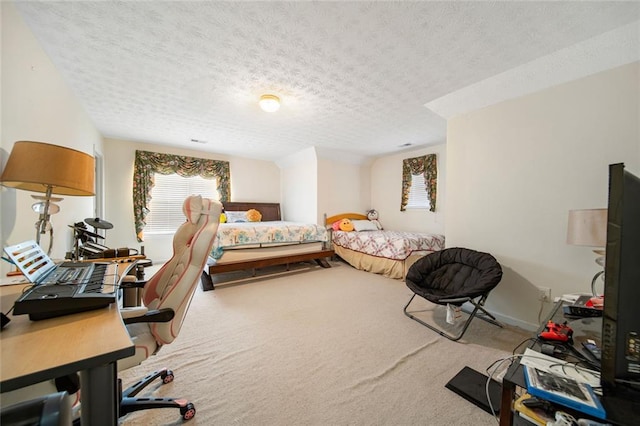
(563, 391)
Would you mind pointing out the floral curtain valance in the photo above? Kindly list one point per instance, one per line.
(147, 163)
(427, 166)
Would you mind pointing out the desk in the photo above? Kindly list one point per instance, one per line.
(619, 411)
(89, 342)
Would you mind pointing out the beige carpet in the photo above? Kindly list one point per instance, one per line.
(318, 347)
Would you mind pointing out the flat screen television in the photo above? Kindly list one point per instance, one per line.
(620, 359)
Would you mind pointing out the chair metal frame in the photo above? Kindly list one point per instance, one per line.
(478, 306)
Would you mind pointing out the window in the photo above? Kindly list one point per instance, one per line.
(418, 195)
(168, 194)
(419, 183)
(148, 163)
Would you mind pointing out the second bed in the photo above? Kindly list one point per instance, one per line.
(389, 253)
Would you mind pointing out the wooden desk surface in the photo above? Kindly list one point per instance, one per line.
(33, 351)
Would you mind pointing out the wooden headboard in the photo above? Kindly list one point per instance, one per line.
(269, 211)
(337, 217)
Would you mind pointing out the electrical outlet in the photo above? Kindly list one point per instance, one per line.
(544, 294)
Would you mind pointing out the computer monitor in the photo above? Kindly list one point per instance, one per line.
(620, 363)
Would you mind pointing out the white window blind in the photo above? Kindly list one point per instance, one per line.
(418, 195)
(167, 196)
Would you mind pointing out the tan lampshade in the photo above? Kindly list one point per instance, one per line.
(32, 166)
(587, 228)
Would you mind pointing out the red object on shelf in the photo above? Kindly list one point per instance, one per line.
(595, 302)
(557, 332)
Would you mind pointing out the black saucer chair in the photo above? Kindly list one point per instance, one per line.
(455, 276)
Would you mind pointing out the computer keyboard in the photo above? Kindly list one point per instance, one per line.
(69, 273)
(52, 300)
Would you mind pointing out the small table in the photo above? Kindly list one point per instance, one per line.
(88, 342)
(619, 412)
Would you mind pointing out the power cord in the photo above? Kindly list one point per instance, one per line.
(540, 310)
(496, 364)
(530, 339)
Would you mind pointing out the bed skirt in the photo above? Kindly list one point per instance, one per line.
(396, 269)
(236, 260)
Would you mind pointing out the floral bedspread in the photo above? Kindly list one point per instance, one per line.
(388, 244)
(263, 234)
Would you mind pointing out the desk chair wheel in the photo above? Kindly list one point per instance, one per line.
(167, 376)
(130, 402)
(188, 412)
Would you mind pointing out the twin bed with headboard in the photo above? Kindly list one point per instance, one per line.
(369, 248)
(243, 244)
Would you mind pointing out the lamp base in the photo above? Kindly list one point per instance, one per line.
(43, 224)
(40, 231)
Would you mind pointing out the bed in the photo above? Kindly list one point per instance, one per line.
(241, 245)
(389, 253)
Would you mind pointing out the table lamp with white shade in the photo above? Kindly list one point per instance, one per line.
(588, 227)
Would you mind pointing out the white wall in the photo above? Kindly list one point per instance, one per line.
(254, 180)
(386, 193)
(515, 169)
(343, 186)
(251, 180)
(37, 105)
(299, 186)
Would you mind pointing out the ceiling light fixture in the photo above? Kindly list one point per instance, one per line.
(269, 103)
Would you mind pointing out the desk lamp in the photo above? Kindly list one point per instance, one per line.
(49, 169)
(589, 228)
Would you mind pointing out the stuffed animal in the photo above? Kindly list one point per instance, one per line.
(254, 215)
(346, 225)
(372, 215)
(336, 225)
(223, 217)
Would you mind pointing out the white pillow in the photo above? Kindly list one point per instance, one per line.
(364, 225)
(235, 217)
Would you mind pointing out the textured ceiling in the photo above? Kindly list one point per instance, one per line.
(352, 76)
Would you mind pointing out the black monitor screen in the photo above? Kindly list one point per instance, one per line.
(620, 372)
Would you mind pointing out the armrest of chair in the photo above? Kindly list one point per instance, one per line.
(130, 281)
(134, 311)
(142, 314)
